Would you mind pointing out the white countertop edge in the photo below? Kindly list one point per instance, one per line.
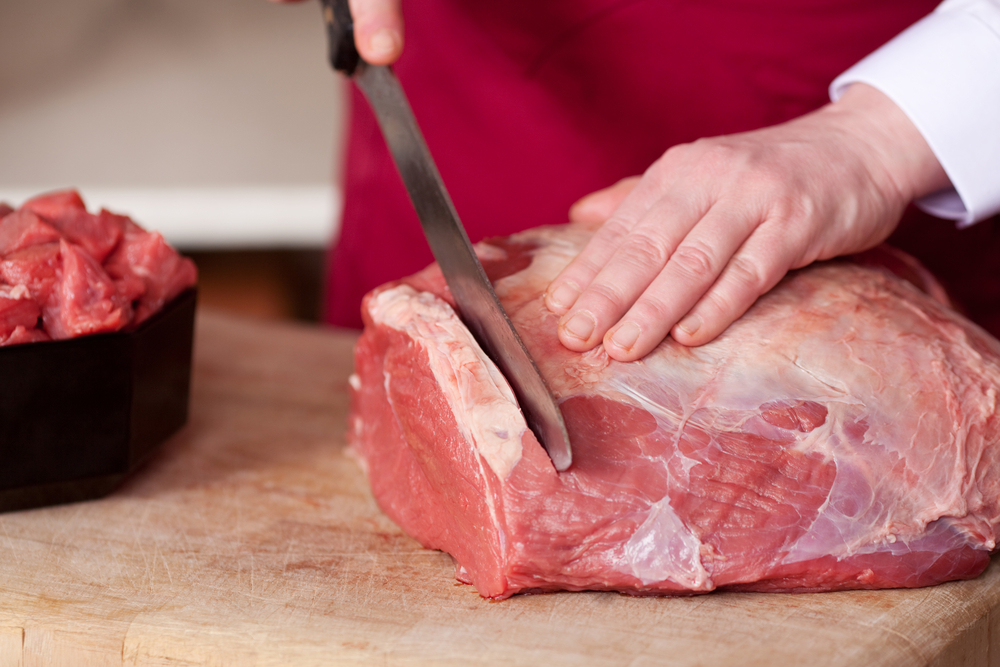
(218, 217)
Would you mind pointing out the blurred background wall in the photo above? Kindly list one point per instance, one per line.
(216, 122)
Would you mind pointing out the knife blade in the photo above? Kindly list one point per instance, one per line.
(477, 302)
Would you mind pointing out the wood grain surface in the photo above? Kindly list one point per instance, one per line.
(252, 539)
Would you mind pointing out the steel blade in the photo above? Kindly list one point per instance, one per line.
(477, 302)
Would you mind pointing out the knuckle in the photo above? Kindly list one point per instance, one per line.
(616, 224)
(652, 309)
(611, 234)
(695, 260)
(679, 158)
(749, 276)
(659, 173)
(780, 208)
(604, 296)
(596, 253)
(583, 269)
(678, 152)
(719, 304)
(803, 207)
(613, 230)
(645, 251)
(787, 201)
(720, 154)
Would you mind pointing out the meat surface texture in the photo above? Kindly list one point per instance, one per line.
(65, 272)
(842, 434)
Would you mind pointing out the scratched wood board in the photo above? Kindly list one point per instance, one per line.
(251, 539)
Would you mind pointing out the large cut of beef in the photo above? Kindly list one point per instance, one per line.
(66, 272)
(842, 434)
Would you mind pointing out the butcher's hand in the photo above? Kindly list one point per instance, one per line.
(687, 248)
(378, 29)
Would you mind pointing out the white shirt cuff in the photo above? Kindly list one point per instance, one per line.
(944, 73)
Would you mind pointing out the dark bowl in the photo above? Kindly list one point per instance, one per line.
(77, 416)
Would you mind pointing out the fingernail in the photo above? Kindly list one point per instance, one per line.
(690, 324)
(564, 296)
(626, 335)
(382, 43)
(581, 325)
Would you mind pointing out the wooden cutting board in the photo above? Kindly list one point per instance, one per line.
(252, 539)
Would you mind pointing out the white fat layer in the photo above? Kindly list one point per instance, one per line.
(483, 404)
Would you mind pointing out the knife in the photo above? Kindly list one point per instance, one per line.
(477, 303)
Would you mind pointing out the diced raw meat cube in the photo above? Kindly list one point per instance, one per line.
(52, 249)
(34, 267)
(17, 309)
(55, 204)
(147, 258)
(98, 235)
(84, 299)
(22, 335)
(21, 229)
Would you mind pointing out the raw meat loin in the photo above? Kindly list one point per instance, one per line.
(842, 434)
(82, 273)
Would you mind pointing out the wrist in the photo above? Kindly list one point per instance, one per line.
(905, 160)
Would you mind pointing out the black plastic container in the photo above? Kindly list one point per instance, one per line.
(77, 416)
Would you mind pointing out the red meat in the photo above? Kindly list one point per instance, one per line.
(84, 299)
(842, 434)
(52, 205)
(18, 313)
(23, 335)
(22, 229)
(148, 269)
(34, 267)
(51, 252)
(65, 211)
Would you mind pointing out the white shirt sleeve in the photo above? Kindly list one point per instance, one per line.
(944, 73)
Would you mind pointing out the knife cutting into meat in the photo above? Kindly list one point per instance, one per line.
(477, 303)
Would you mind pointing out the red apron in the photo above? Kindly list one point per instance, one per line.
(528, 105)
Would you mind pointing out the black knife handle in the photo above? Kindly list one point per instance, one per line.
(340, 35)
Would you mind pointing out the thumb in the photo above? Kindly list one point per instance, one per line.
(378, 30)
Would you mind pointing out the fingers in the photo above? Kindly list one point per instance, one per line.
(751, 272)
(714, 224)
(578, 275)
(378, 30)
(594, 209)
(574, 279)
(691, 270)
(617, 270)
